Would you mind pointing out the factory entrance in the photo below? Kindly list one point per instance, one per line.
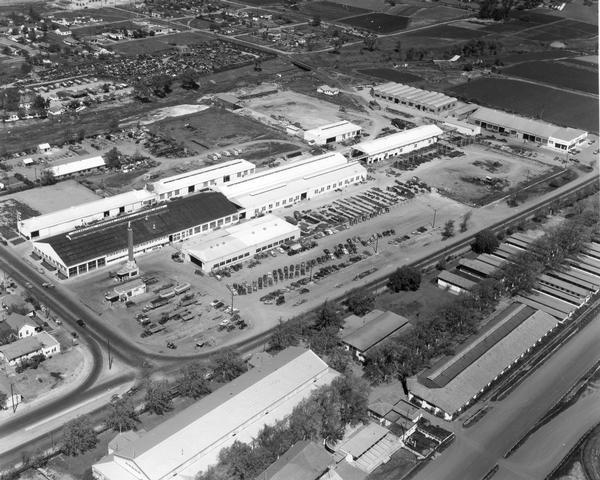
(303, 196)
(195, 261)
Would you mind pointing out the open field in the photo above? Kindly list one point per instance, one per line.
(557, 74)
(106, 14)
(159, 43)
(552, 105)
(450, 32)
(293, 107)
(330, 10)
(54, 197)
(212, 128)
(575, 10)
(392, 75)
(96, 29)
(561, 30)
(378, 22)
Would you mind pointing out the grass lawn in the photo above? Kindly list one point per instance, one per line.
(557, 74)
(564, 30)
(398, 465)
(391, 75)
(414, 305)
(554, 106)
(378, 22)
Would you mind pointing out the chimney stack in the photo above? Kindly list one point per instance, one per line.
(130, 242)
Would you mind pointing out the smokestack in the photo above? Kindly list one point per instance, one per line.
(130, 241)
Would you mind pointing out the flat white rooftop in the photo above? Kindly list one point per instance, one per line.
(333, 129)
(84, 210)
(77, 166)
(397, 140)
(228, 241)
(201, 175)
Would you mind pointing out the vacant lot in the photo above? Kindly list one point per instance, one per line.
(378, 22)
(550, 104)
(330, 10)
(436, 13)
(462, 178)
(391, 75)
(106, 14)
(562, 30)
(557, 74)
(160, 43)
(450, 32)
(213, 128)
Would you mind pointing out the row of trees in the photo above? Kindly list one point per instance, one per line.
(323, 416)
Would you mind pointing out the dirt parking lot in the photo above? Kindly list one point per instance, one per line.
(470, 178)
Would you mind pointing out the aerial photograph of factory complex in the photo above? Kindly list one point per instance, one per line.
(299, 240)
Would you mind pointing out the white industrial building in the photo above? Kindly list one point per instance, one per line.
(424, 100)
(334, 132)
(202, 178)
(397, 143)
(77, 167)
(237, 243)
(85, 214)
(293, 182)
(546, 134)
(464, 128)
(190, 441)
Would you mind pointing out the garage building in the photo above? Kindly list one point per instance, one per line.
(77, 167)
(200, 179)
(293, 182)
(546, 134)
(334, 132)
(396, 144)
(424, 100)
(237, 243)
(86, 249)
(190, 441)
(82, 215)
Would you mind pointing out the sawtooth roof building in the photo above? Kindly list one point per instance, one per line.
(424, 100)
(397, 143)
(449, 387)
(293, 182)
(190, 442)
(228, 246)
(546, 134)
(86, 249)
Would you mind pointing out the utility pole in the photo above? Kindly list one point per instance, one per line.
(434, 215)
(12, 398)
(231, 290)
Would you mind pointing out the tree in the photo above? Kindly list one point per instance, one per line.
(485, 242)
(285, 335)
(40, 104)
(354, 395)
(339, 359)
(47, 177)
(227, 365)
(25, 68)
(113, 158)
(405, 278)
(361, 302)
(188, 79)
(327, 317)
(192, 382)
(79, 436)
(370, 40)
(122, 416)
(448, 230)
(316, 21)
(113, 125)
(3, 398)
(142, 91)
(158, 398)
(464, 223)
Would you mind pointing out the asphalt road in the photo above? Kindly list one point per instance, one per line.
(476, 450)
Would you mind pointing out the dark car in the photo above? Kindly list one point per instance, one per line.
(80, 322)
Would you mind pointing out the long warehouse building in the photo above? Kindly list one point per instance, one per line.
(293, 182)
(228, 246)
(424, 100)
(189, 442)
(86, 249)
(396, 144)
(545, 134)
(331, 133)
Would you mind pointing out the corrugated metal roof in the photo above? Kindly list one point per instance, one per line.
(376, 330)
(457, 280)
(397, 140)
(77, 166)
